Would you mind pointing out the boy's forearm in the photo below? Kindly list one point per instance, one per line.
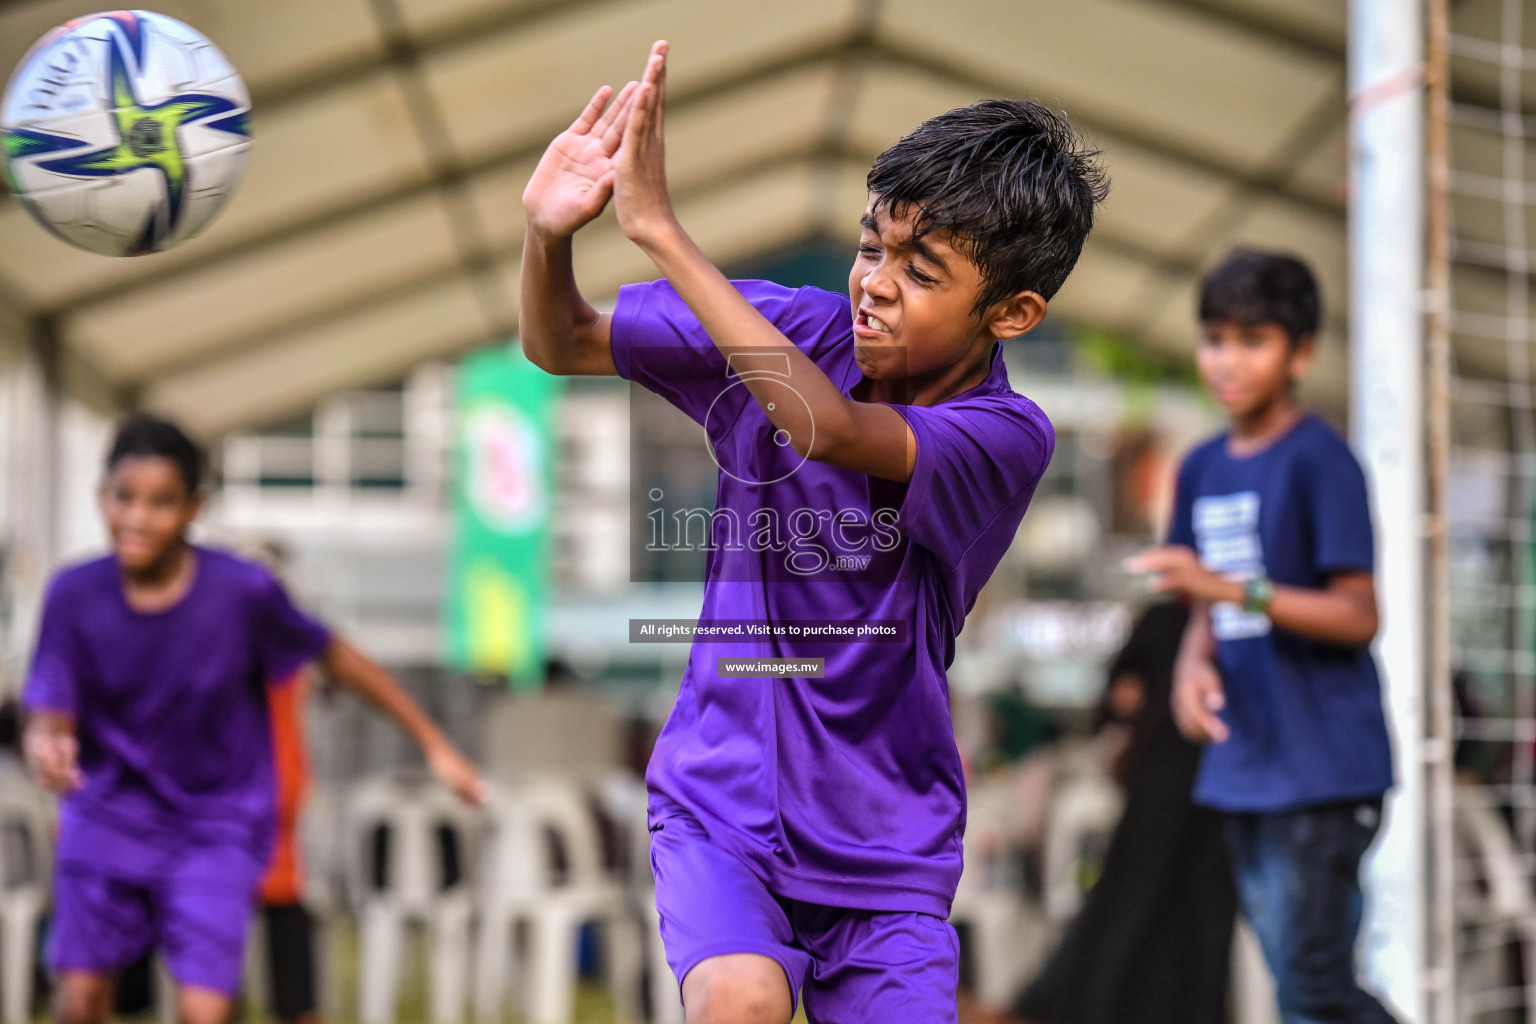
(828, 421)
(556, 324)
(1197, 643)
(734, 324)
(55, 723)
(1339, 616)
(358, 673)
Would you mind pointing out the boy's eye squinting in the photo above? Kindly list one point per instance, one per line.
(919, 276)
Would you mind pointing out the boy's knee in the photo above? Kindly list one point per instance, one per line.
(195, 1005)
(739, 988)
(83, 999)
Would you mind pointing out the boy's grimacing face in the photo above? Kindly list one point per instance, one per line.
(1248, 366)
(145, 503)
(913, 300)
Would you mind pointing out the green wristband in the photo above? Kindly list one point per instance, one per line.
(1257, 594)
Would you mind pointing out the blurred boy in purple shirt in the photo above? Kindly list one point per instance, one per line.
(875, 465)
(149, 713)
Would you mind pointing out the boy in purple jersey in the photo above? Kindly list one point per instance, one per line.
(148, 707)
(875, 465)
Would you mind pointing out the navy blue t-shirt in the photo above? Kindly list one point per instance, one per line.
(1306, 718)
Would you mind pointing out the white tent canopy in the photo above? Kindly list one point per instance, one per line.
(380, 221)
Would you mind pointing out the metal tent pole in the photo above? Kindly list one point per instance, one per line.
(1439, 768)
(1386, 247)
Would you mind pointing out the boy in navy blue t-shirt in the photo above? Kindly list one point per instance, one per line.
(1271, 542)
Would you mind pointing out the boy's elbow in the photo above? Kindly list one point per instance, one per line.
(808, 444)
(828, 438)
(535, 352)
(1369, 625)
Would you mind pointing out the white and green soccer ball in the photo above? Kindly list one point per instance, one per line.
(124, 132)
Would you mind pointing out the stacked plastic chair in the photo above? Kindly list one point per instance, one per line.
(321, 847)
(1496, 910)
(522, 884)
(406, 879)
(623, 800)
(26, 824)
(1004, 929)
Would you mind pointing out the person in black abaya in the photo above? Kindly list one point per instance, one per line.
(1152, 942)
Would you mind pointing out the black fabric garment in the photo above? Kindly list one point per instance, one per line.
(290, 960)
(1153, 940)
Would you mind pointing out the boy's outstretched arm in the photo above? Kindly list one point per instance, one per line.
(52, 751)
(561, 333)
(355, 670)
(829, 426)
(1343, 612)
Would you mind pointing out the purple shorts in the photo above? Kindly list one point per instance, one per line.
(197, 911)
(848, 965)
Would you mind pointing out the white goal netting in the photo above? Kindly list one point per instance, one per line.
(1490, 500)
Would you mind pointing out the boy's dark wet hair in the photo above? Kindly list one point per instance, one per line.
(143, 436)
(1008, 181)
(1252, 287)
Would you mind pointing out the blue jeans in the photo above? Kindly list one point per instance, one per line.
(1298, 883)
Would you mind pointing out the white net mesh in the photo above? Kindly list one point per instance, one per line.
(1491, 501)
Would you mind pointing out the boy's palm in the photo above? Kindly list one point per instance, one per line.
(640, 191)
(574, 179)
(53, 758)
(1197, 697)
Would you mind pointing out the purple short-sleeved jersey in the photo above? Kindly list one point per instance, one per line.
(170, 707)
(844, 790)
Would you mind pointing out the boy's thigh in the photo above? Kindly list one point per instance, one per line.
(1298, 879)
(101, 923)
(879, 966)
(712, 905)
(206, 904)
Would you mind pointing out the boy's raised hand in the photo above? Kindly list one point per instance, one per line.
(641, 201)
(574, 179)
(1176, 569)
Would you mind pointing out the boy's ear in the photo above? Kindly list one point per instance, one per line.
(1016, 315)
(1303, 351)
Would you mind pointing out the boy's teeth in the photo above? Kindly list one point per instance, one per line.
(878, 324)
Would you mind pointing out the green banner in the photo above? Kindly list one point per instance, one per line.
(503, 493)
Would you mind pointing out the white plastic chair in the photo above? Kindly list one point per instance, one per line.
(1085, 809)
(1494, 904)
(26, 827)
(323, 854)
(1005, 931)
(412, 811)
(624, 800)
(519, 885)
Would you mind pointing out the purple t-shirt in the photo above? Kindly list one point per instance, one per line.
(844, 790)
(170, 707)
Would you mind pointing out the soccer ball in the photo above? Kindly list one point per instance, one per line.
(124, 132)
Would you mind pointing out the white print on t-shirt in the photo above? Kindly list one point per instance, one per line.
(1227, 535)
